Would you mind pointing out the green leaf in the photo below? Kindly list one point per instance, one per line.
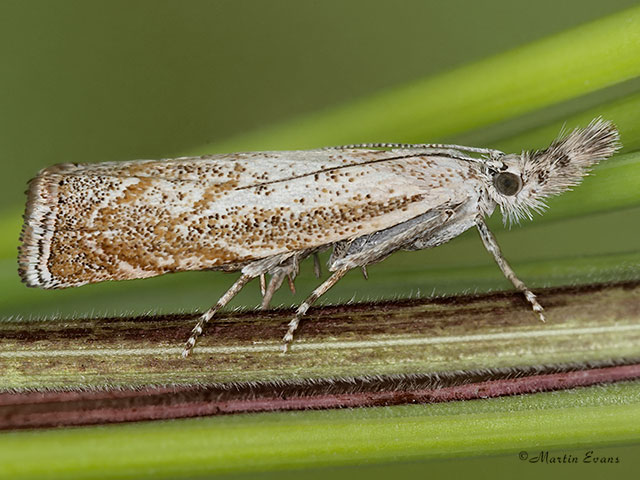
(547, 72)
(588, 418)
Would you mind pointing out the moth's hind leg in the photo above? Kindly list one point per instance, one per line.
(279, 266)
(287, 268)
(274, 284)
(206, 316)
(304, 306)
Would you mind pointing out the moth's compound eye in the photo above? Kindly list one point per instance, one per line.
(507, 184)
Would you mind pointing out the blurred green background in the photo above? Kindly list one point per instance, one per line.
(89, 81)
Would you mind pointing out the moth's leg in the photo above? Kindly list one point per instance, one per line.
(274, 284)
(288, 268)
(206, 316)
(263, 284)
(317, 269)
(491, 245)
(365, 274)
(304, 306)
(292, 286)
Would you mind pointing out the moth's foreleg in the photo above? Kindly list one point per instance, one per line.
(491, 245)
(304, 306)
(206, 316)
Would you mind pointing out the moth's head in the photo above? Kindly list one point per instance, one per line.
(519, 184)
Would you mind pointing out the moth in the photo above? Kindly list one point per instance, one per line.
(262, 213)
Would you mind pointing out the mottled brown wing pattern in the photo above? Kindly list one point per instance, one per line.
(90, 223)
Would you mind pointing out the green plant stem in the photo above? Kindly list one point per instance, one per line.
(460, 333)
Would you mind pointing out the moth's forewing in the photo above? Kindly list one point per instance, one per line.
(112, 221)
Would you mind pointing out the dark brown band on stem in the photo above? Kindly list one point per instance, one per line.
(55, 409)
